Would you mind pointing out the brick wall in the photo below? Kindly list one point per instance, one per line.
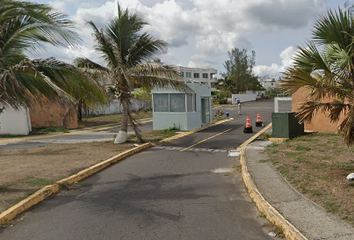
(51, 114)
(320, 121)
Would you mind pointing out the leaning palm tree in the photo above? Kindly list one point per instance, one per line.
(124, 50)
(326, 67)
(24, 27)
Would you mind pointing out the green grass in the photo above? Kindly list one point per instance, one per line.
(48, 130)
(302, 148)
(264, 161)
(346, 166)
(331, 207)
(11, 136)
(39, 182)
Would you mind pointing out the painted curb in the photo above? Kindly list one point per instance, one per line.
(48, 190)
(289, 230)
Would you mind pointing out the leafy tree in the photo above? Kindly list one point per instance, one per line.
(221, 96)
(143, 98)
(326, 68)
(124, 48)
(239, 76)
(24, 26)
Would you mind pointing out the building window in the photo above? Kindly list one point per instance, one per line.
(161, 103)
(172, 102)
(196, 75)
(205, 75)
(182, 74)
(191, 103)
(188, 74)
(177, 103)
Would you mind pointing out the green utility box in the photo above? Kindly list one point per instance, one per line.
(286, 125)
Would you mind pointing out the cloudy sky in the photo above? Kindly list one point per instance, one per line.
(201, 32)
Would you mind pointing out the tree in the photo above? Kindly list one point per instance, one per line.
(326, 68)
(124, 48)
(25, 26)
(239, 76)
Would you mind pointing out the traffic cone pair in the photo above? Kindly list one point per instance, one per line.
(259, 122)
(248, 127)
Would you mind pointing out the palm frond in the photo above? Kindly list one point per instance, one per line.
(25, 26)
(158, 76)
(309, 108)
(86, 63)
(22, 83)
(79, 85)
(145, 48)
(333, 27)
(104, 47)
(347, 127)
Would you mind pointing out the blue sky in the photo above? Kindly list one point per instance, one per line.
(201, 32)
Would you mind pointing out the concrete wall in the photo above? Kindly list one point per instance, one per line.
(244, 97)
(15, 122)
(320, 121)
(114, 107)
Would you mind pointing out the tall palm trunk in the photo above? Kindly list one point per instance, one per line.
(136, 130)
(1, 110)
(123, 131)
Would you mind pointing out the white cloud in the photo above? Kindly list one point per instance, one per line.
(275, 70)
(59, 6)
(201, 32)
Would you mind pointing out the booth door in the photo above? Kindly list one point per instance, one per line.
(205, 110)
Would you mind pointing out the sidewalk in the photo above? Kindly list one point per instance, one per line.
(296, 211)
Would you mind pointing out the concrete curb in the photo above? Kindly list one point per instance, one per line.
(290, 231)
(48, 190)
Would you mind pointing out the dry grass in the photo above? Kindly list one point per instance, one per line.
(317, 165)
(24, 171)
(111, 119)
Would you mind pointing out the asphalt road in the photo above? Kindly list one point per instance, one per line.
(79, 136)
(185, 189)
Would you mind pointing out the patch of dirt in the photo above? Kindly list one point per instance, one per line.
(317, 165)
(23, 171)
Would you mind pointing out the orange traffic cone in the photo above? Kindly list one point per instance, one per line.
(259, 122)
(248, 127)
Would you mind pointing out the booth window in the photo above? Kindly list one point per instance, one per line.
(161, 102)
(177, 103)
(173, 102)
(191, 103)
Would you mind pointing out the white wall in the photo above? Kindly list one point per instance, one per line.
(114, 107)
(15, 122)
(244, 97)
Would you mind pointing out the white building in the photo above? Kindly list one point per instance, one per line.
(197, 74)
(271, 83)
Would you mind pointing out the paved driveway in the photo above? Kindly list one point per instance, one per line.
(185, 189)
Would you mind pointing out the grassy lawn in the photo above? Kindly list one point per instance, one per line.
(317, 165)
(111, 119)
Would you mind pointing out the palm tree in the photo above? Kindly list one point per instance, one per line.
(24, 27)
(326, 68)
(125, 49)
